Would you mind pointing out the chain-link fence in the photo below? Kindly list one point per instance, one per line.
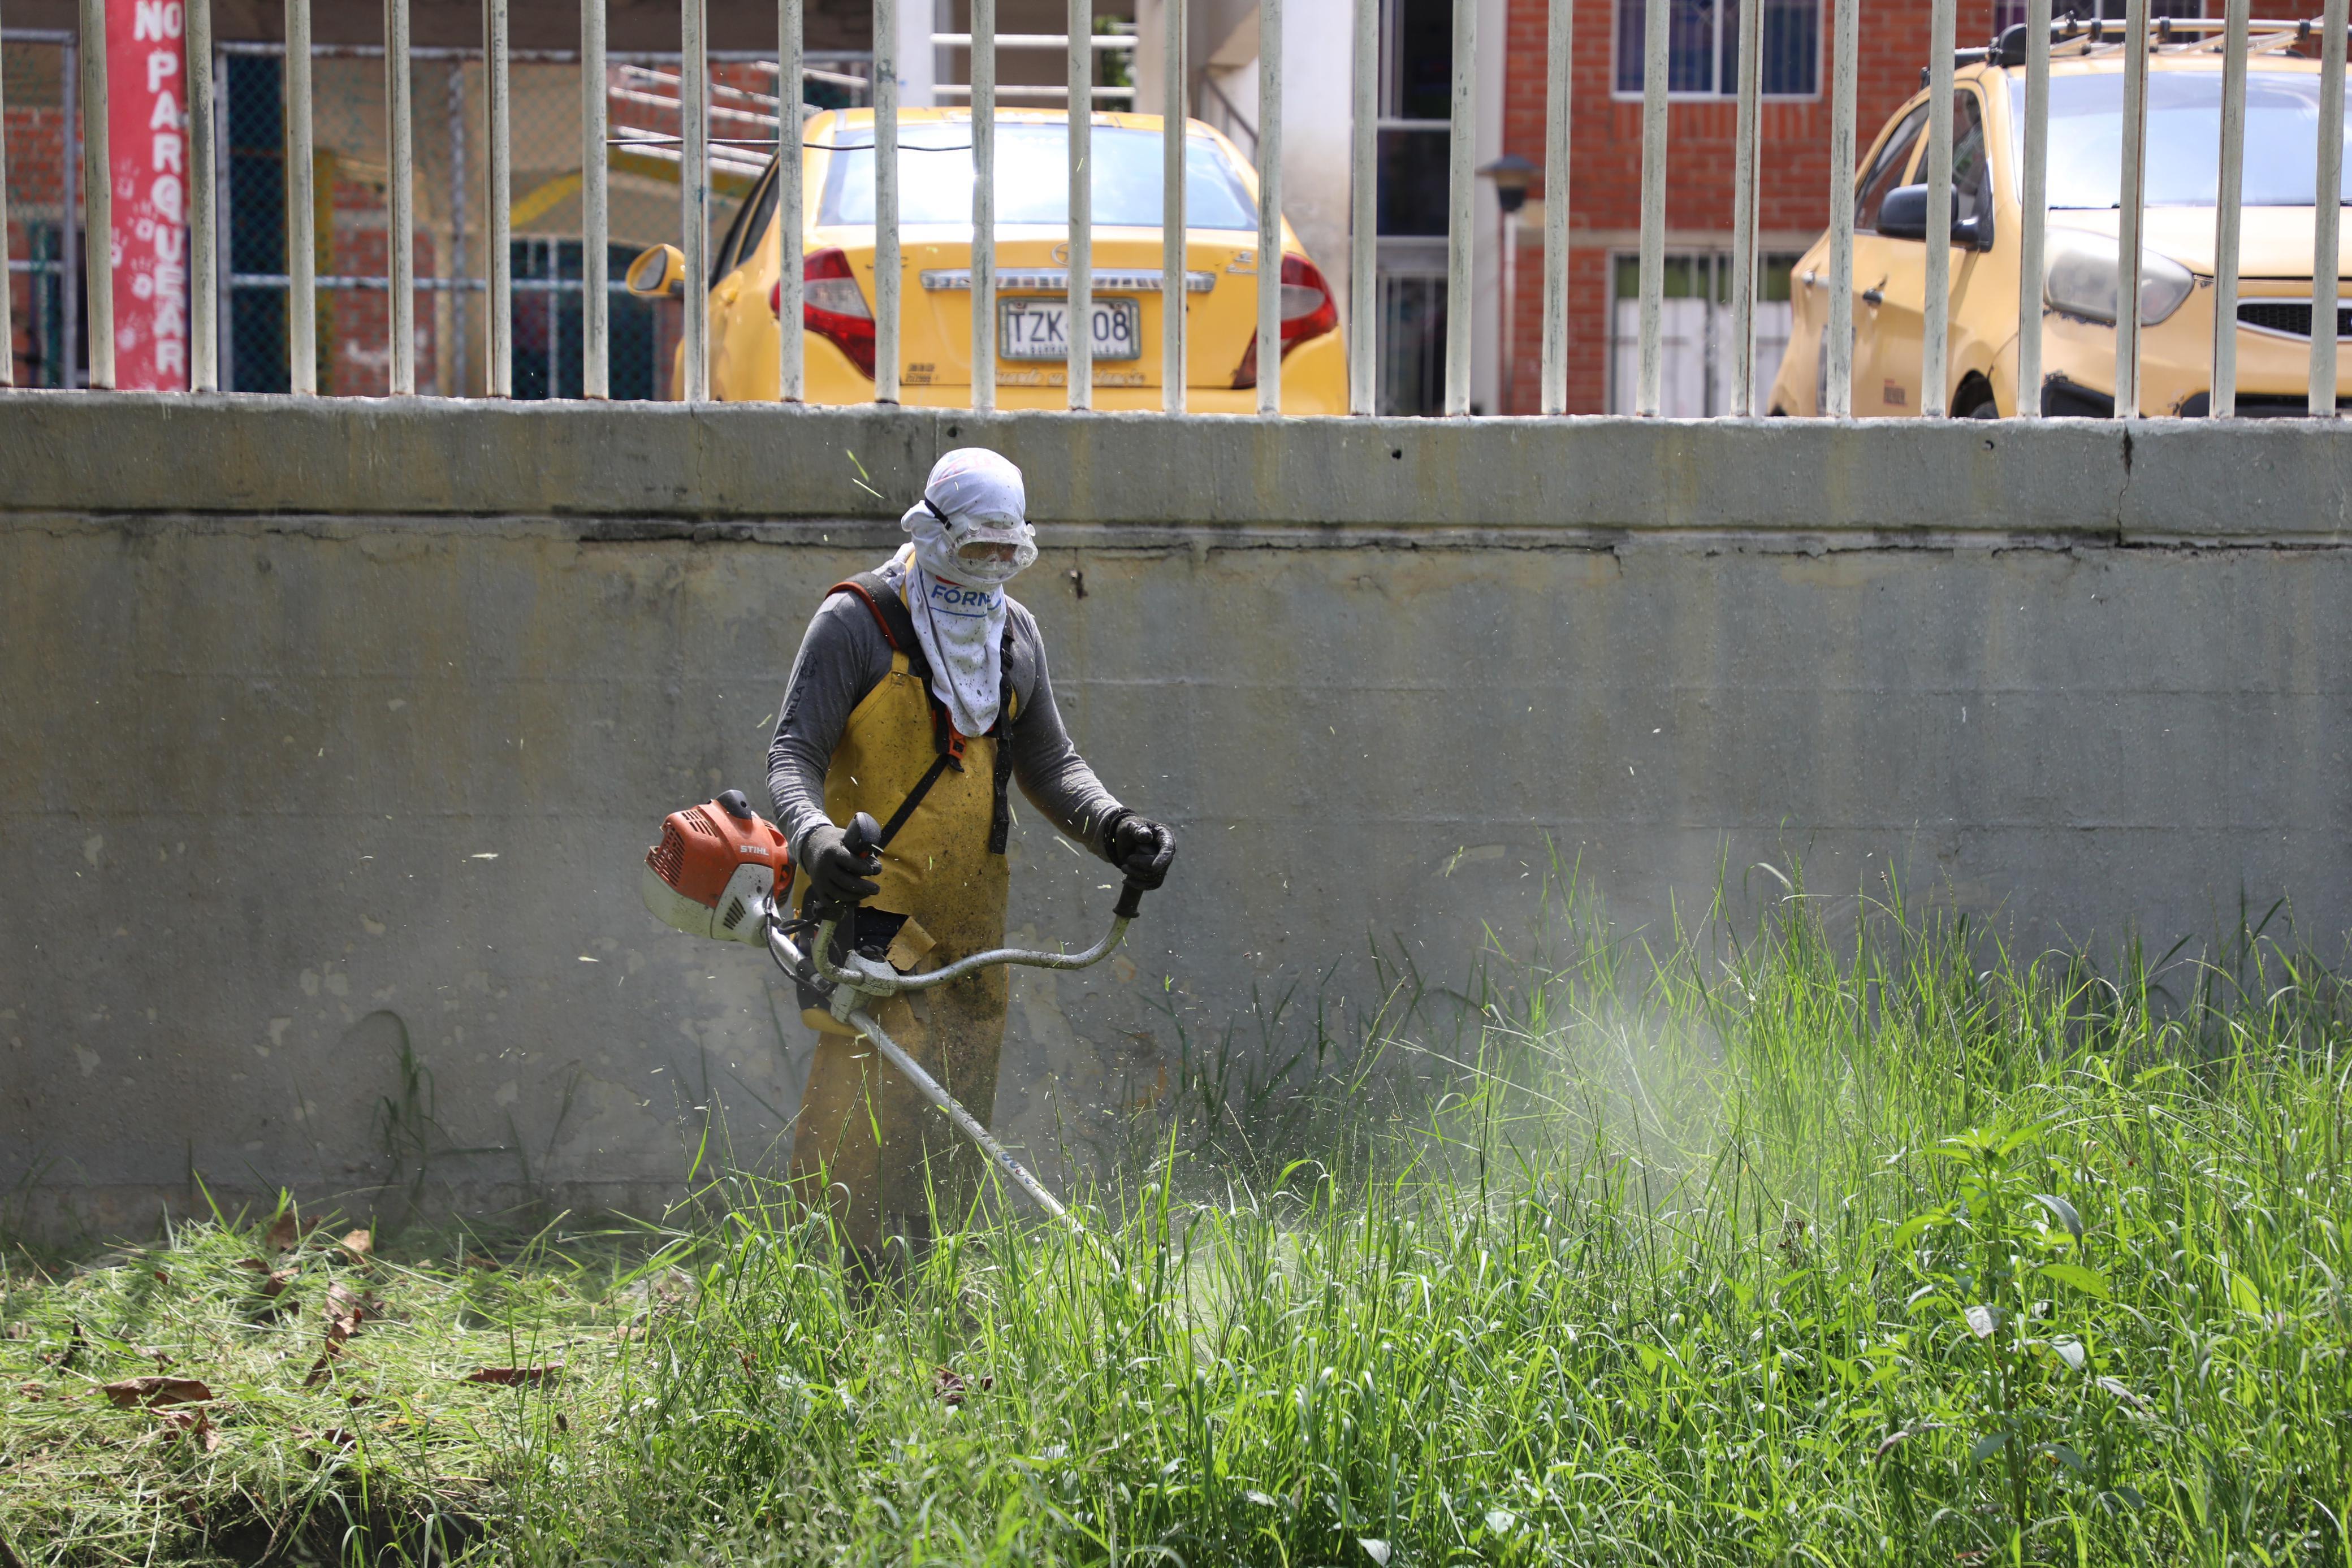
(351, 176)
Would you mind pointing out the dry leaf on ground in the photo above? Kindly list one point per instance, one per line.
(359, 1244)
(157, 1391)
(515, 1376)
(345, 1312)
(186, 1423)
(283, 1233)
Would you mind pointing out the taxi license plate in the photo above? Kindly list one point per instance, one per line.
(1040, 330)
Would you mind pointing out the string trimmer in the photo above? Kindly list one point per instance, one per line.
(721, 871)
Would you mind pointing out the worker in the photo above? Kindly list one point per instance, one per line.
(919, 692)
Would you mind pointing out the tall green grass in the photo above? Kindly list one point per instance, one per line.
(1847, 1237)
(1845, 1240)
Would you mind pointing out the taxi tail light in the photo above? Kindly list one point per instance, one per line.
(833, 306)
(1308, 311)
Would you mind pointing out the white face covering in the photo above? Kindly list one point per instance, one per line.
(972, 536)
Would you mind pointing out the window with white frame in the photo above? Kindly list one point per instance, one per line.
(1697, 338)
(1703, 48)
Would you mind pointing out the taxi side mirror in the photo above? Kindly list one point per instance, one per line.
(1904, 215)
(658, 273)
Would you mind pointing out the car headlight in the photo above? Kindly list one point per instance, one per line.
(2085, 270)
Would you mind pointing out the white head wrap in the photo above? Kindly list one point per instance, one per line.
(974, 496)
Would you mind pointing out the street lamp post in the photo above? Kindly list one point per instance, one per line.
(1512, 174)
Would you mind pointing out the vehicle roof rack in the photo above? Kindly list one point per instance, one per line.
(2179, 33)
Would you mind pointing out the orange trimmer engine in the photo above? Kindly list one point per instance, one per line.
(719, 871)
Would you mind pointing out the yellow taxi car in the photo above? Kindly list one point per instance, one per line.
(935, 180)
(2086, 122)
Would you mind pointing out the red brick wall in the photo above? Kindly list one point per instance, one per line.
(1605, 149)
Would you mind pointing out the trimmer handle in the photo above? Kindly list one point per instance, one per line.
(862, 837)
(1130, 900)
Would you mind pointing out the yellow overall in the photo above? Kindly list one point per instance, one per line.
(886, 1158)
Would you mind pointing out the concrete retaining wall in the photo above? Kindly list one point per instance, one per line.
(277, 680)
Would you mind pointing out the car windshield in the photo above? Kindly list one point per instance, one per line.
(2184, 139)
(1033, 180)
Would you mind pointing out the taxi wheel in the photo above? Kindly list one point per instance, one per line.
(1975, 401)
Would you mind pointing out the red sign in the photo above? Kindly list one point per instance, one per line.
(147, 142)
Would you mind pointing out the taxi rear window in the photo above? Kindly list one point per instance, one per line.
(1033, 181)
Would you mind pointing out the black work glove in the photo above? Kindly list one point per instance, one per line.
(835, 875)
(1141, 848)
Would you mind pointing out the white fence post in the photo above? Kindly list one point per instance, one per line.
(98, 198)
(1936, 337)
(595, 211)
(1175, 297)
(2228, 216)
(2031, 263)
(1363, 213)
(2133, 202)
(1461, 208)
(886, 264)
(8, 287)
(791, 369)
(498, 320)
(694, 190)
(1560, 49)
(1836, 393)
(1649, 389)
(1743, 210)
(984, 206)
(1269, 206)
(2326, 271)
(1080, 373)
(203, 207)
(400, 216)
(301, 211)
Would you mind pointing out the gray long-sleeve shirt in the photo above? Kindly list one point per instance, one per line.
(844, 656)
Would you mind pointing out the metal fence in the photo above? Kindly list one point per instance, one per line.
(354, 204)
(717, 129)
